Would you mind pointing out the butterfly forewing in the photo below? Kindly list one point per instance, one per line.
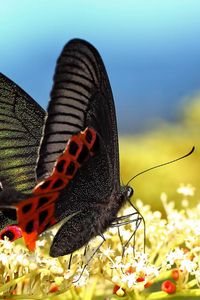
(21, 123)
(81, 97)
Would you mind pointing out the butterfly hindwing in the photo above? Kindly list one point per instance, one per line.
(81, 97)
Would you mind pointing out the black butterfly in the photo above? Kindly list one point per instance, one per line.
(30, 145)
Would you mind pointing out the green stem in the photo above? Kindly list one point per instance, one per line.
(179, 295)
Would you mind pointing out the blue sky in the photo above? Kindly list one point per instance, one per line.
(150, 49)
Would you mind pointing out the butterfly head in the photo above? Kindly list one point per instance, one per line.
(127, 192)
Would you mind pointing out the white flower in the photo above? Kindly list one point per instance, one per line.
(185, 203)
(129, 279)
(186, 190)
(163, 197)
(174, 255)
(56, 269)
(187, 265)
(116, 279)
(20, 258)
(7, 244)
(3, 259)
(80, 279)
(108, 251)
(25, 262)
(32, 266)
(151, 270)
(68, 274)
(41, 243)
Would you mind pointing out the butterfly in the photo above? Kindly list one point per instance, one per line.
(63, 162)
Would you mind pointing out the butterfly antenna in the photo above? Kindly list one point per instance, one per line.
(163, 164)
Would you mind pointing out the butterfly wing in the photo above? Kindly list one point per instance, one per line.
(81, 97)
(21, 122)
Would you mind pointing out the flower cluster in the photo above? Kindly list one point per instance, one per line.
(166, 262)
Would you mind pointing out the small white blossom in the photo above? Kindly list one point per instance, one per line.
(186, 190)
(108, 251)
(188, 265)
(129, 279)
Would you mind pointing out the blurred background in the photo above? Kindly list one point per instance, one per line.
(151, 52)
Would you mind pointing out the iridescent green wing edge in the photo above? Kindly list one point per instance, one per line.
(21, 125)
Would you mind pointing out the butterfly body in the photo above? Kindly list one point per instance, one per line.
(77, 170)
(90, 221)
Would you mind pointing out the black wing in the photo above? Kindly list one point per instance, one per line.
(81, 97)
(21, 123)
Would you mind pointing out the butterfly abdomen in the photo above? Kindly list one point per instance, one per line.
(108, 212)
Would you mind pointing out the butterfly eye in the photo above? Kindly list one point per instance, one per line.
(129, 192)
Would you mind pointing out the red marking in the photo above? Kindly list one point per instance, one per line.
(40, 208)
(77, 140)
(13, 230)
(50, 209)
(51, 180)
(35, 207)
(93, 138)
(30, 239)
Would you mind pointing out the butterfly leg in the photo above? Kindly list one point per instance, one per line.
(70, 261)
(90, 258)
(144, 224)
(138, 222)
(127, 219)
(119, 224)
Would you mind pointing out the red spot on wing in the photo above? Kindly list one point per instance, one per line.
(12, 232)
(36, 214)
(30, 239)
